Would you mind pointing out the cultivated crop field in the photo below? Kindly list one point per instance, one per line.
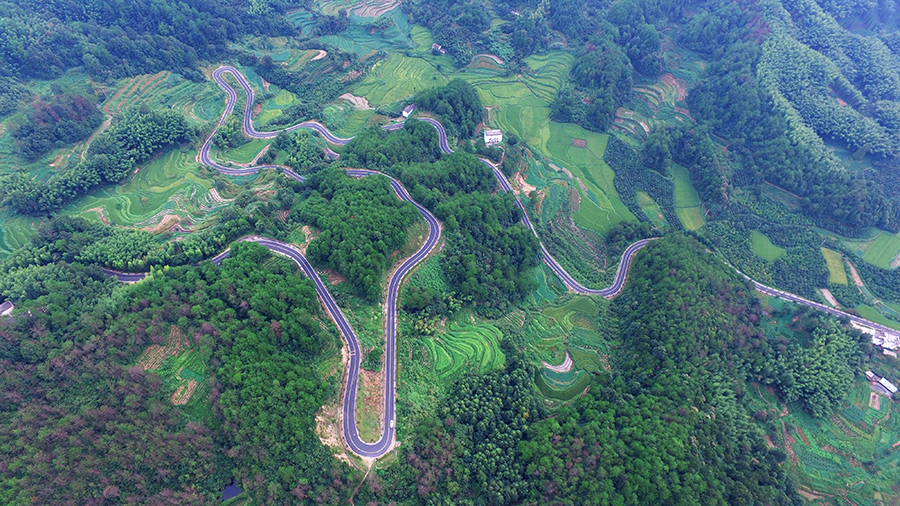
(168, 185)
(837, 274)
(653, 106)
(396, 78)
(600, 207)
(687, 201)
(465, 347)
(764, 248)
(883, 251)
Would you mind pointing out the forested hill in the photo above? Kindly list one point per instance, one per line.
(665, 428)
(43, 38)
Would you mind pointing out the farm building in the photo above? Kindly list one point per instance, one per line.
(6, 308)
(408, 110)
(888, 385)
(492, 137)
(437, 49)
(871, 376)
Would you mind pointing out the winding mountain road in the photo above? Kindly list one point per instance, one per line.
(349, 425)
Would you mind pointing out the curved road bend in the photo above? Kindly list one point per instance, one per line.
(351, 432)
(349, 425)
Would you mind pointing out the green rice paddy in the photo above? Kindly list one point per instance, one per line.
(396, 78)
(764, 248)
(688, 206)
(167, 185)
(837, 274)
(600, 207)
(883, 250)
(465, 347)
(651, 209)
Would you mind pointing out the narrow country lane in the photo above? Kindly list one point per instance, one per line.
(349, 425)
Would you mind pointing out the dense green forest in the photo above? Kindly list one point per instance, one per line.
(120, 39)
(76, 398)
(665, 426)
(786, 131)
(115, 153)
(361, 223)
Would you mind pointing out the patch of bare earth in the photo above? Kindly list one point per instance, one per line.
(328, 419)
(874, 401)
(538, 200)
(155, 354)
(526, 188)
(99, 211)
(829, 297)
(360, 103)
(855, 275)
(98, 131)
(895, 262)
(166, 223)
(375, 8)
(257, 108)
(809, 495)
(769, 441)
(788, 443)
(184, 392)
(334, 277)
(322, 54)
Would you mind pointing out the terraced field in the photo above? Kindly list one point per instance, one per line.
(466, 347)
(659, 104)
(562, 386)
(600, 207)
(396, 78)
(15, 231)
(168, 185)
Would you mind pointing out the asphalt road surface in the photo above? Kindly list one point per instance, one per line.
(350, 430)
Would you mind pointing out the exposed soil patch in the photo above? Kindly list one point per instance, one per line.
(333, 276)
(538, 199)
(360, 103)
(265, 84)
(788, 442)
(579, 143)
(371, 385)
(874, 401)
(829, 297)
(802, 435)
(679, 84)
(566, 366)
(841, 425)
(167, 222)
(520, 181)
(99, 211)
(375, 8)
(769, 441)
(184, 392)
(257, 108)
(155, 354)
(855, 275)
(574, 200)
(322, 54)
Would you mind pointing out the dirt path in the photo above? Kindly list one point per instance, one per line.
(98, 131)
(856, 279)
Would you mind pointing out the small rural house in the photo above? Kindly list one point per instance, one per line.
(408, 110)
(6, 308)
(492, 137)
